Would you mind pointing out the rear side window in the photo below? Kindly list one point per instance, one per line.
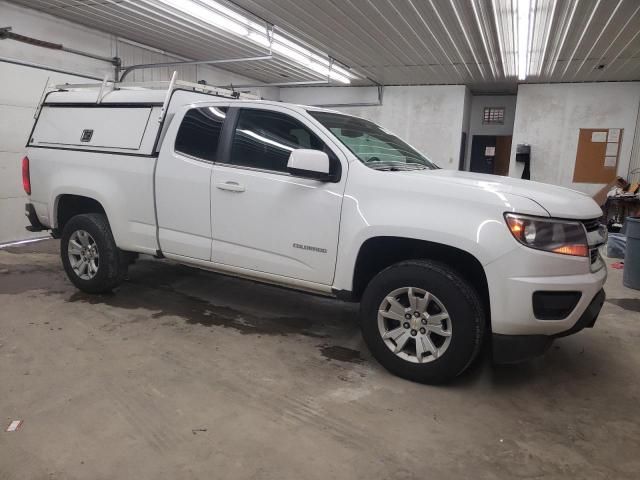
(199, 132)
(265, 139)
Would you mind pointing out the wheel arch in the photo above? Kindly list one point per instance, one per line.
(67, 205)
(377, 253)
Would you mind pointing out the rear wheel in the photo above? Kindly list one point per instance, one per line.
(422, 321)
(90, 257)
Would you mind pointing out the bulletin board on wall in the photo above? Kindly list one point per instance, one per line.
(597, 155)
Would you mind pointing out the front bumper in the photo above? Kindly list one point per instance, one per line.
(515, 278)
(518, 348)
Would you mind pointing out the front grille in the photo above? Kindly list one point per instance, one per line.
(591, 225)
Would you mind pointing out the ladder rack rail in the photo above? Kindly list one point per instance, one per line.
(169, 85)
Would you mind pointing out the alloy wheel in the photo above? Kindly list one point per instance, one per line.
(83, 255)
(414, 324)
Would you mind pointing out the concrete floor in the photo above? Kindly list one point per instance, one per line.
(184, 374)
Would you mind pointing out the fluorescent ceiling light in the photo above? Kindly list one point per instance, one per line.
(524, 16)
(226, 19)
(221, 20)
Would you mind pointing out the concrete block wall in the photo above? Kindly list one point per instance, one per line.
(430, 118)
(549, 118)
(17, 109)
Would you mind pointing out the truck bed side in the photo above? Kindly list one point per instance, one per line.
(105, 152)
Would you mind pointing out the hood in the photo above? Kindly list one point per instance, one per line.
(559, 202)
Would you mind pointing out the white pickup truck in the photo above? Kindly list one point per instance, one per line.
(317, 201)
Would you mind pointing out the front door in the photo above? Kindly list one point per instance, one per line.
(503, 155)
(263, 218)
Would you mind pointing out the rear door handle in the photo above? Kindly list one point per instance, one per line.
(230, 186)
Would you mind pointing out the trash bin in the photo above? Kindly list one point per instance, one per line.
(631, 276)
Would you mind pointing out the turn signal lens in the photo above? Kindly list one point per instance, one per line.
(516, 226)
(548, 234)
(26, 178)
(576, 250)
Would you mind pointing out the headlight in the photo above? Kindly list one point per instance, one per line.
(557, 236)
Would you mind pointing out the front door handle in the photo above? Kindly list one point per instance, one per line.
(230, 186)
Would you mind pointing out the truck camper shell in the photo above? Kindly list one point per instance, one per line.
(121, 118)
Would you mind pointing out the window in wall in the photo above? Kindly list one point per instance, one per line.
(199, 132)
(493, 116)
(265, 139)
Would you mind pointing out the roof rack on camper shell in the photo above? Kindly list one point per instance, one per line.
(168, 85)
(107, 86)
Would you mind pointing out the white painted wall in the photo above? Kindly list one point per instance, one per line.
(476, 127)
(21, 88)
(549, 116)
(17, 108)
(430, 118)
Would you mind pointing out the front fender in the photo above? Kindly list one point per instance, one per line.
(477, 228)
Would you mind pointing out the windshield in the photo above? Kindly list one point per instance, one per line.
(374, 146)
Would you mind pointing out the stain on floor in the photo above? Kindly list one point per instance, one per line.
(342, 354)
(163, 301)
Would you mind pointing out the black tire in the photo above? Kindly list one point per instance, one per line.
(461, 302)
(113, 262)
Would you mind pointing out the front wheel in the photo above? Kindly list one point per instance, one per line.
(90, 257)
(422, 321)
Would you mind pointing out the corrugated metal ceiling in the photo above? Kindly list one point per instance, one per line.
(393, 42)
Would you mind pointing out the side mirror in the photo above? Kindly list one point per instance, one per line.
(309, 164)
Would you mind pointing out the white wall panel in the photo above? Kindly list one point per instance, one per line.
(430, 118)
(13, 134)
(20, 91)
(10, 176)
(549, 117)
(13, 221)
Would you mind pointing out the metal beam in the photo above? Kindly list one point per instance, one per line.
(6, 33)
(23, 63)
